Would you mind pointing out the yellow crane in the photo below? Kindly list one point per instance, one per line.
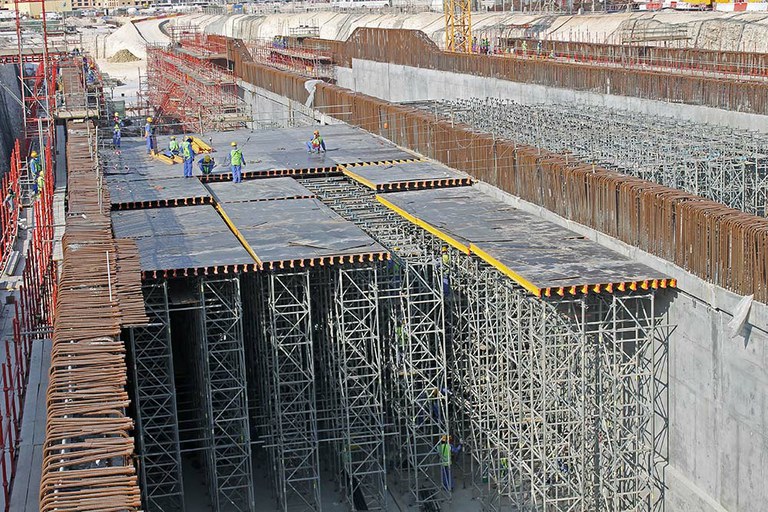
(458, 25)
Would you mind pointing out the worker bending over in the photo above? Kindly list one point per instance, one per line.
(237, 161)
(173, 146)
(188, 153)
(317, 143)
(206, 165)
(149, 134)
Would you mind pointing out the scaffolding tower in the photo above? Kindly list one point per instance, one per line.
(186, 87)
(411, 308)
(157, 423)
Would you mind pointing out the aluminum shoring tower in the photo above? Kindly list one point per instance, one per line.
(563, 397)
(155, 402)
(290, 384)
(411, 293)
(358, 372)
(722, 164)
(229, 456)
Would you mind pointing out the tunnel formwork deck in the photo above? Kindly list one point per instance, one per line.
(328, 331)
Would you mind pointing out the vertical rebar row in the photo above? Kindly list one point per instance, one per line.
(230, 469)
(155, 402)
(722, 164)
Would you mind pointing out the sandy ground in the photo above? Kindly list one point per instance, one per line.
(128, 73)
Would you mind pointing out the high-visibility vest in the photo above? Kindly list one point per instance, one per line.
(444, 449)
(173, 145)
(236, 157)
(186, 150)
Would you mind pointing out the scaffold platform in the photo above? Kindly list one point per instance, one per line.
(540, 256)
(406, 176)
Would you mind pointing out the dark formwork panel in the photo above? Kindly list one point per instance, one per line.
(151, 192)
(538, 254)
(259, 190)
(407, 175)
(298, 229)
(180, 238)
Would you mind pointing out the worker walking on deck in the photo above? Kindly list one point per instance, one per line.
(149, 134)
(33, 166)
(236, 160)
(173, 146)
(116, 136)
(189, 156)
(206, 165)
(445, 451)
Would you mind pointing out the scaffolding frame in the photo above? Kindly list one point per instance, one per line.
(357, 354)
(154, 388)
(562, 399)
(411, 308)
(289, 382)
(725, 165)
(187, 87)
(226, 401)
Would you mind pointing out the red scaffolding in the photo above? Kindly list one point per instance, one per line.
(37, 66)
(188, 87)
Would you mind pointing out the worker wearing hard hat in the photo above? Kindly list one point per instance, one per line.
(188, 153)
(35, 171)
(206, 165)
(116, 135)
(149, 134)
(316, 144)
(173, 146)
(445, 450)
(236, 161)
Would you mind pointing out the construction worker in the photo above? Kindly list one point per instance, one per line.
(316, 144)
(116, 120)
(116, 136)
(40, 182)
(206, 165)
(236, 160)
(445, 262)
(445, 450)
(524, 48)
(173, 146)
(188, 153)
(149, 134)
(33, 165)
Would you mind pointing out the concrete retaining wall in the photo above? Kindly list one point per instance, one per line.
(399, 83)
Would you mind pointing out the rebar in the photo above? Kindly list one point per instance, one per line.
(725, 165)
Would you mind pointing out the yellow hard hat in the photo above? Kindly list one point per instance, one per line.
(207, 158)
(233, 144)
(34, 154)
(316, 132)
(173, 137)
(149, 119)
(445, 248)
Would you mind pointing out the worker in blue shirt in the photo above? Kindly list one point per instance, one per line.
(206, 165)
(188, 153)
(33, 165)
(445, 450)
(149, 134)
(236, 160)
(116, 136)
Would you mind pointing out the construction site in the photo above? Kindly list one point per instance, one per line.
(383, 273)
